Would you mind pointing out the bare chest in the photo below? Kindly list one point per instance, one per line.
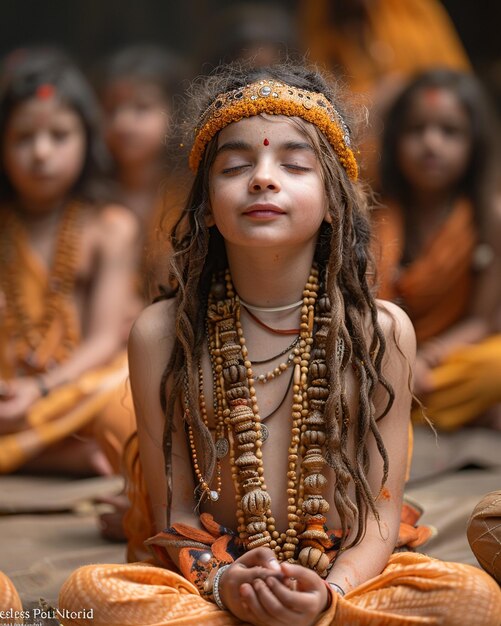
(275, 399)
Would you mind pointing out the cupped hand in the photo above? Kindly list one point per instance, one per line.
(298, 599)
(260, 563)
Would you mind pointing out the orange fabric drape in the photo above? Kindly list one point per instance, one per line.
(413, 589)
(435, 289)
(401, 38)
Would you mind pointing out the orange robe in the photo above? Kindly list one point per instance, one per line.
(436, 290)
(10, 603)
(412, 589)
(403, 38)
(96, 405)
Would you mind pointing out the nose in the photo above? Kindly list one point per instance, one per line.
(264, 176)
(432, 137)
(41, 146)
(122, 118)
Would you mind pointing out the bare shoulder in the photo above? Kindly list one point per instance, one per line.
(397, 329)
(154, 326)
(116, 220)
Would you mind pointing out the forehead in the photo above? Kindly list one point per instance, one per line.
(126, 89)
(278, 128)
(40, 112)
(438, 101)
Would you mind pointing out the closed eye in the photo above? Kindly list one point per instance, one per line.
(234, 169)
(297, 168)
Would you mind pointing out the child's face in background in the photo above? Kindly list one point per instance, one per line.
(435, 146)
(266, 185)
(44, 151)
(136, 121)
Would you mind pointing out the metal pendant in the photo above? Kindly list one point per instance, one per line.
(222, 447)
(265, 433)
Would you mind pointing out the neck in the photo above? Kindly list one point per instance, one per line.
(270, 278)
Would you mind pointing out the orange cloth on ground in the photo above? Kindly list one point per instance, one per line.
(412, 589)
(10, 602)
(98, 401)
(403, 38)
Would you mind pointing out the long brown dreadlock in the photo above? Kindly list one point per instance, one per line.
(344, 261)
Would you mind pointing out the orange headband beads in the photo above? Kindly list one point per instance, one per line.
(274, 98)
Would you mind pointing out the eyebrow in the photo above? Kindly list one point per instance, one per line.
(232, 146)
(297, 145)
(245, 147)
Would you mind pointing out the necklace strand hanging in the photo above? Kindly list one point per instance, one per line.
(239, 409)
(275, 331)
(30, 338)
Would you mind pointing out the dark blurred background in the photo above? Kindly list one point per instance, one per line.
(198, 29)
(91, 28)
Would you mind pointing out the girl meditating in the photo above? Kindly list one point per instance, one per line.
(272, 392)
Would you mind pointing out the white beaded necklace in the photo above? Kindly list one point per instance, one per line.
(271, 309)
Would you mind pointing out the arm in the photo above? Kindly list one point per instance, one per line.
(150, 345)
(111, 293)
(367, 559)
(481, 319)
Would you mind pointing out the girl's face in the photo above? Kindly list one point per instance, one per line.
(136, 121)
(266, 185)
(44, 151)
(435, 146)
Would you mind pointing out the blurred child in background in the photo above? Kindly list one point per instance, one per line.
(66, 263)
(136, 87)
(440, 237)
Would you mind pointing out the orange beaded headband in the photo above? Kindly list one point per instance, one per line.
(274, 98)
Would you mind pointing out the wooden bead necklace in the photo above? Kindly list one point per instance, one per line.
(203, 487)
(238, 412)
(30, 338)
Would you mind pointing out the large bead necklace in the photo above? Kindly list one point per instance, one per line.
(31, 339)
(237, 416)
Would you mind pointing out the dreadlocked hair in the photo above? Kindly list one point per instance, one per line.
(344, 261)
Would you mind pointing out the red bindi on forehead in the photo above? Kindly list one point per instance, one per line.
(45, 91)
(433, 96)
(266, 142)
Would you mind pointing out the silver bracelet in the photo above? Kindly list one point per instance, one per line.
(215, 588)
(335, 587)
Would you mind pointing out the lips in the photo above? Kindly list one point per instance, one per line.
(263, 210)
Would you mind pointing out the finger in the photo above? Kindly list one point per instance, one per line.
(307, 579)
(263, 557)
(243, 574)
(256, 614)
(294, 601)
(272, 605)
